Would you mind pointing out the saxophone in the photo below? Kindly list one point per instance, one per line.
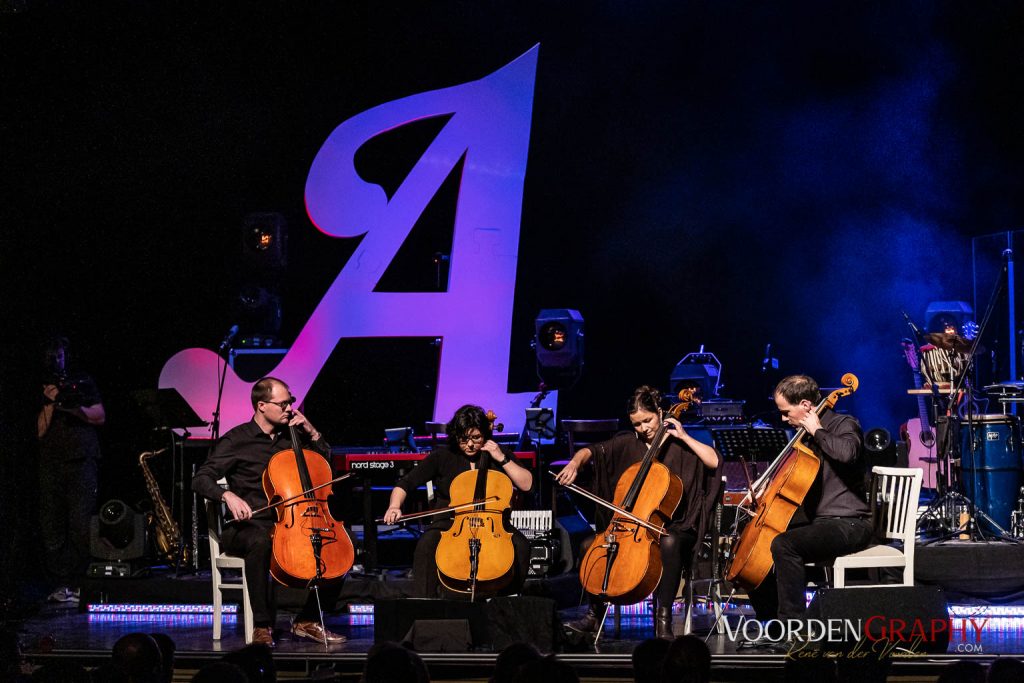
(168, 535)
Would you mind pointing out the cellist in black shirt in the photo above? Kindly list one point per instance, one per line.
(834, 519)
(241, 456)
(469, 440)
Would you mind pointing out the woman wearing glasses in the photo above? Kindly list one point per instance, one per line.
(469, 442)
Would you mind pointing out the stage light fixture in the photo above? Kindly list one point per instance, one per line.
(880, 449)
(558, 343)
(701, 369)
(265, 240)
(117, 533)
(877, 440)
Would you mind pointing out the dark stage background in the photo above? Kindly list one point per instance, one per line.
(729, 174)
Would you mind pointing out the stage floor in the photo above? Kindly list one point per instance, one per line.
(61, 631)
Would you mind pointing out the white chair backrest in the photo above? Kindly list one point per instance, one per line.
(895, 492)
(215, 518)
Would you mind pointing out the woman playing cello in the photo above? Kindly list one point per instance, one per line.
(695, 463)
(469, 442)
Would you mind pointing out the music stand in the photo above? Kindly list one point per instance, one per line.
(167, 410)
(540, 421)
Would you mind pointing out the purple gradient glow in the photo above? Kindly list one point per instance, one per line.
(490, 124)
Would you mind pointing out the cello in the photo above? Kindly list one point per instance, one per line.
(476, 553)
(626, 566)
(777, 494)
(309, 546)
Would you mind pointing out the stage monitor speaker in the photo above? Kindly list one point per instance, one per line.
(394, 619)
(117, 533)
(494, 624)
(888, 613)
(440, 635)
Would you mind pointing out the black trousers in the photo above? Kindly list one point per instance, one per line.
(426, 584)
(251, 541)
(676, 553)
(67, 501)
(781, 594)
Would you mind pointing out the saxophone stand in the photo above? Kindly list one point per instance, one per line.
(166, 410)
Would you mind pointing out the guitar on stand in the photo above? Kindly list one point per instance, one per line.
(918, 430)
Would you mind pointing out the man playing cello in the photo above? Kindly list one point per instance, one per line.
(241, 456)
(835, 517)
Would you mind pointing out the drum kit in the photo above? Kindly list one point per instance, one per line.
(980, 459)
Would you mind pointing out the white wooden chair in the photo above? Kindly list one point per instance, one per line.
(894, 498)
(219, 561)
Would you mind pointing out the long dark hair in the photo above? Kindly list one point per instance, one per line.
(466, 418)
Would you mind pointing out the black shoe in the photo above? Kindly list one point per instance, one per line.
(758, 644)
(663, 623)
(589, 622)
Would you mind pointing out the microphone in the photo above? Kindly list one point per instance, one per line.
(917, 333)
(229, 337)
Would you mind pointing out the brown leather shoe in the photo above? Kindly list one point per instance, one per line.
(264, 635)
(314, 631)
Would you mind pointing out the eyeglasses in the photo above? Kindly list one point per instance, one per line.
(475, 439)
(284, 405)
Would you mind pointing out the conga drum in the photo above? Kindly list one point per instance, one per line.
(990, 461)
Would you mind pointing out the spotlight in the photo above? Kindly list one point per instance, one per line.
(117, 532)
(265, 240)
(558, 343)
(700, 370)
(881, 450)
(877, 440)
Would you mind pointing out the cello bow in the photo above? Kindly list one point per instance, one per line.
(611, 506)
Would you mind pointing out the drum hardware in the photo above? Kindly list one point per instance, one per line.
(990, 467)
(1017, 517)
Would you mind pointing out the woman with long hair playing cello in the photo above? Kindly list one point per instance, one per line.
(470, 447)
(695, 464)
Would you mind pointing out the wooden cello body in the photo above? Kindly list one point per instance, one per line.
(623, 564)
(476, 553)
(778, 494)
(308, 543)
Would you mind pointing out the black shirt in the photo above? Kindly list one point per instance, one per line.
(614, 456)
(839, 488)
(441, 466)
(241, 456)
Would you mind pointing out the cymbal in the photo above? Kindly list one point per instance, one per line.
(950, 342)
